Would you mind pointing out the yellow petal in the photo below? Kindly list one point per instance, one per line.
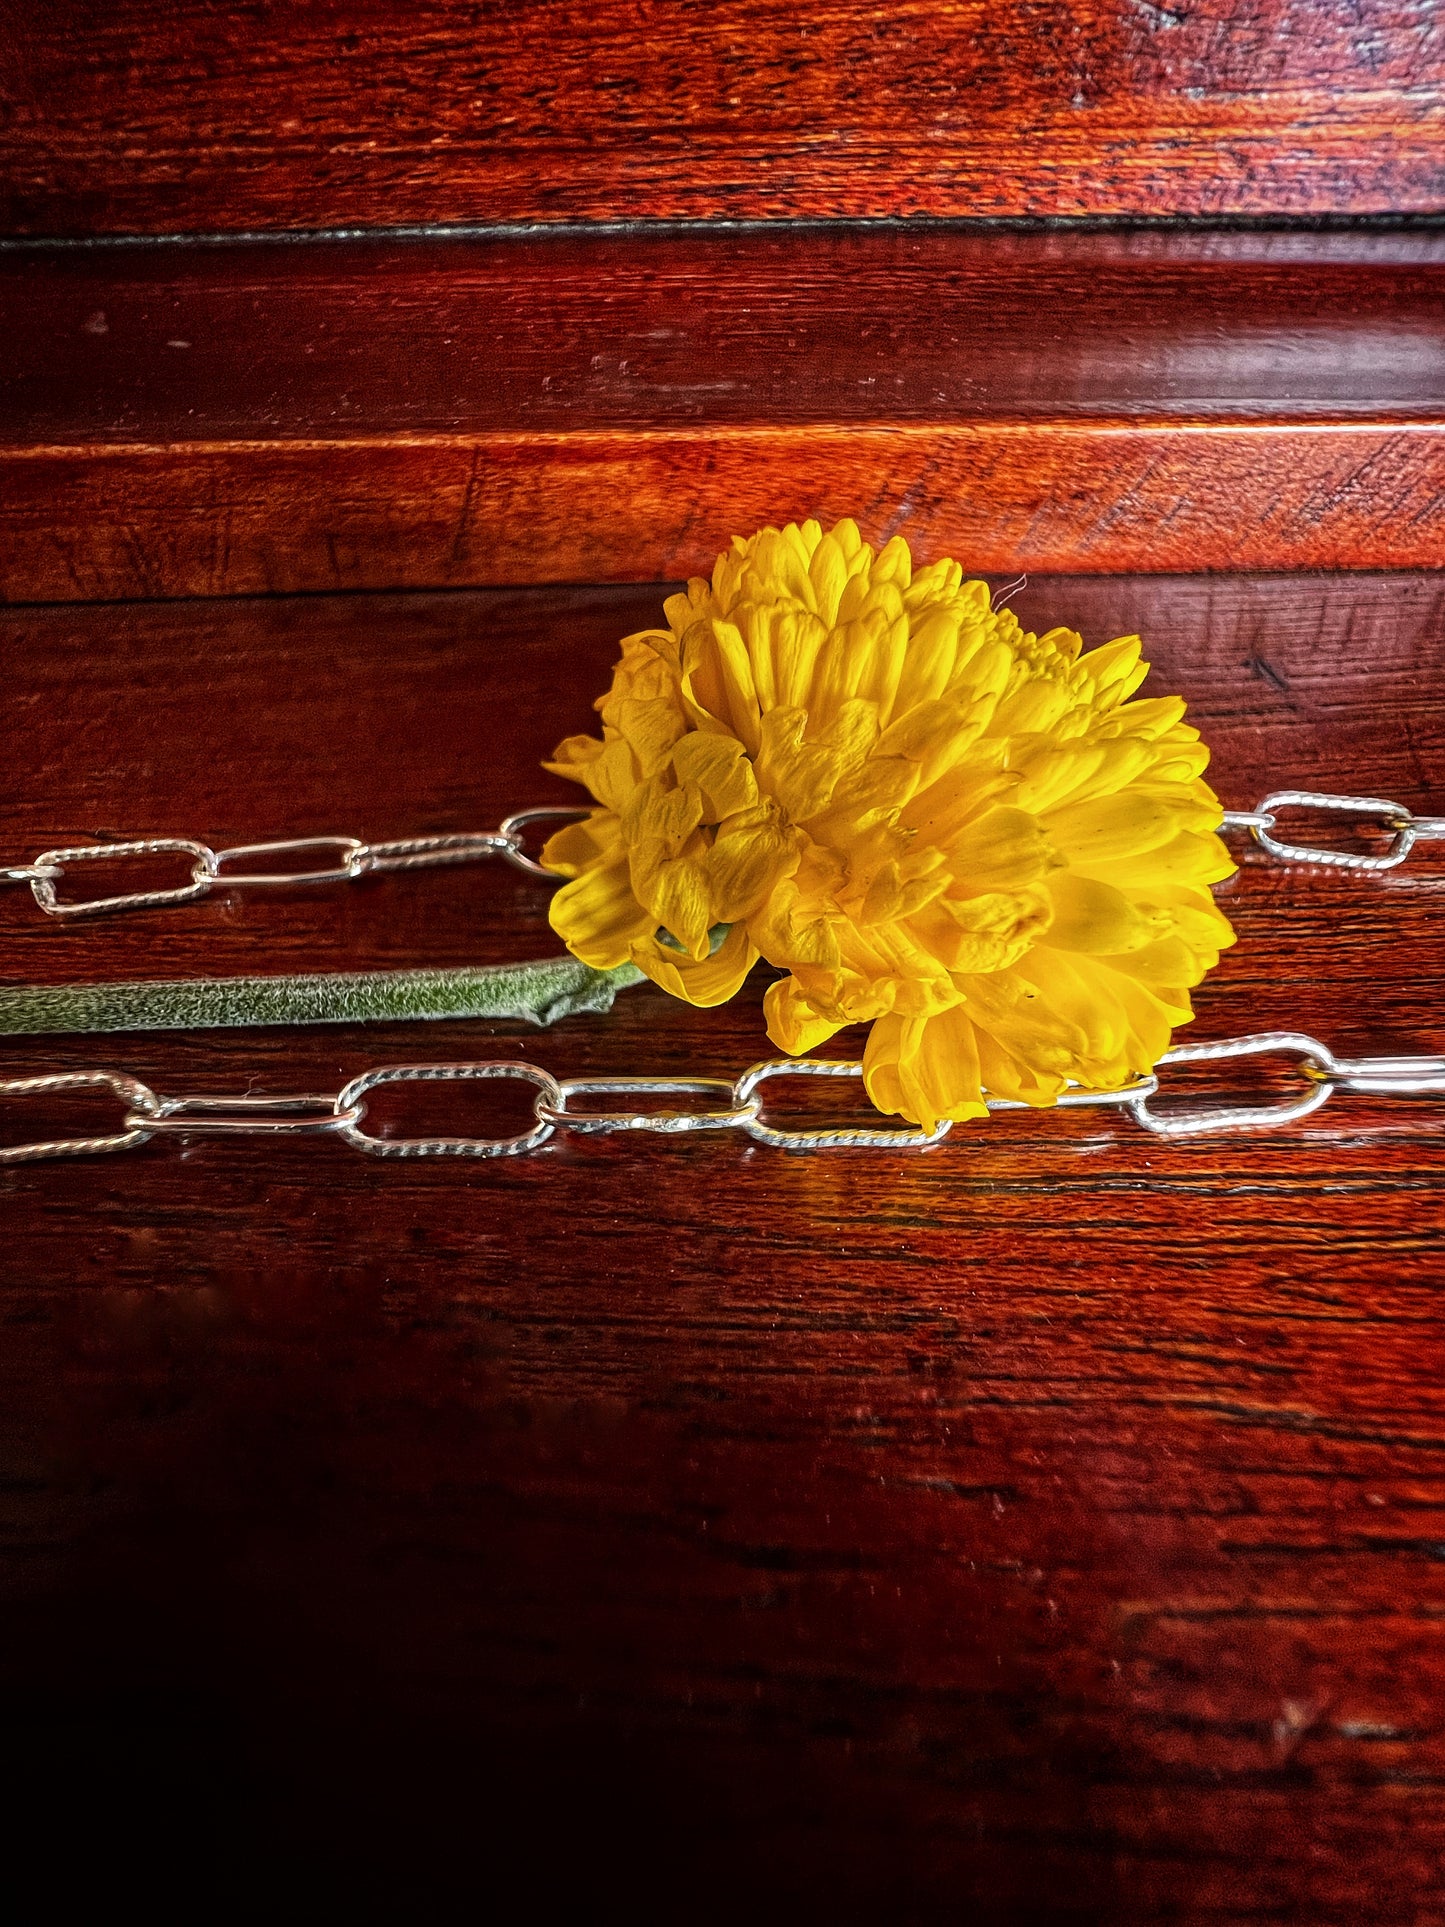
(927, 1068)
(658, 812)
(1095, 917)
(1106, 828)
(717, 678)
(1003, 849)
(651, 727)
(1183, 859)
(793, 1024)
(752, 854)
(577, 846)
(801, 775)
(598, 917)
(681, 903)
(1009, 1006)
(718, 769)
(1004, 1073)
(1115, 670)
(936, 735)
(705, 981)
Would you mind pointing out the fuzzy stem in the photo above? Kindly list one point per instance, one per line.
(539, 993)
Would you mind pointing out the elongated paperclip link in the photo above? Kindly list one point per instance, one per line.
(737, 1106)
(728, 1116)
(1407, 829)
(1325, 1073)
(142, 1107)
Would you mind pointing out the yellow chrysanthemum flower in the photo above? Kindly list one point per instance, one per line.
(934, 822)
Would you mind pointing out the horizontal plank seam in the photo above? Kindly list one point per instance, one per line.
(1380, 222)
(1212, 427)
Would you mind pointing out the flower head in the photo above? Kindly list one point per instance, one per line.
(933, 821)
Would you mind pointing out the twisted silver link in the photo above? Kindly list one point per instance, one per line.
(306, 1115)
(737, 1106)
(446, 1147)
(142, 1107)
(51, 865)
(353, 850)
(1406, 829)
(786, 1140)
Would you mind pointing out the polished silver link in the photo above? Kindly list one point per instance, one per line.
(446, 1147)
(1315, 1058)
(350, 865)
(306, 1115)
(1262, 823)
(1384, 1076)
(863, 1138)
(669, 1123)
(26, 873)
(142, 1109)
(51, 865)
(1326, 1073)
(514, 825)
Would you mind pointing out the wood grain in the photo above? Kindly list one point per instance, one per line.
(136, 117)
(1044, 1529)
(239, 419)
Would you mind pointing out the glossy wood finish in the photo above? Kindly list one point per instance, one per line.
(132, 116)
(218, 420)
(1046, 1529)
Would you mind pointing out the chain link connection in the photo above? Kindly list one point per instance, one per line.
(735, 1104)
(214, 869)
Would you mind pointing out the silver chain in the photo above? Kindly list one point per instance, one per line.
(211, 869)
(728, 1105)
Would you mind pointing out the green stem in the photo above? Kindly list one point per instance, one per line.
(539, 993)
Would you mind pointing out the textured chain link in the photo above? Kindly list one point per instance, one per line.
(728, 1104)
(1404, 827)
(216, 869)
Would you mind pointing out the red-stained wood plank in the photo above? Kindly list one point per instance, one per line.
(284, 518)
(560, 332)
(137, 117)
(1047, 1528)
(238, 419)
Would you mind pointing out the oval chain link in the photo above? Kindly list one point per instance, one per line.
(1406, 829)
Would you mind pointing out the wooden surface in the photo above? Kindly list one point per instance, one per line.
(133, 116)
(1045, 1529)
(237, 419)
